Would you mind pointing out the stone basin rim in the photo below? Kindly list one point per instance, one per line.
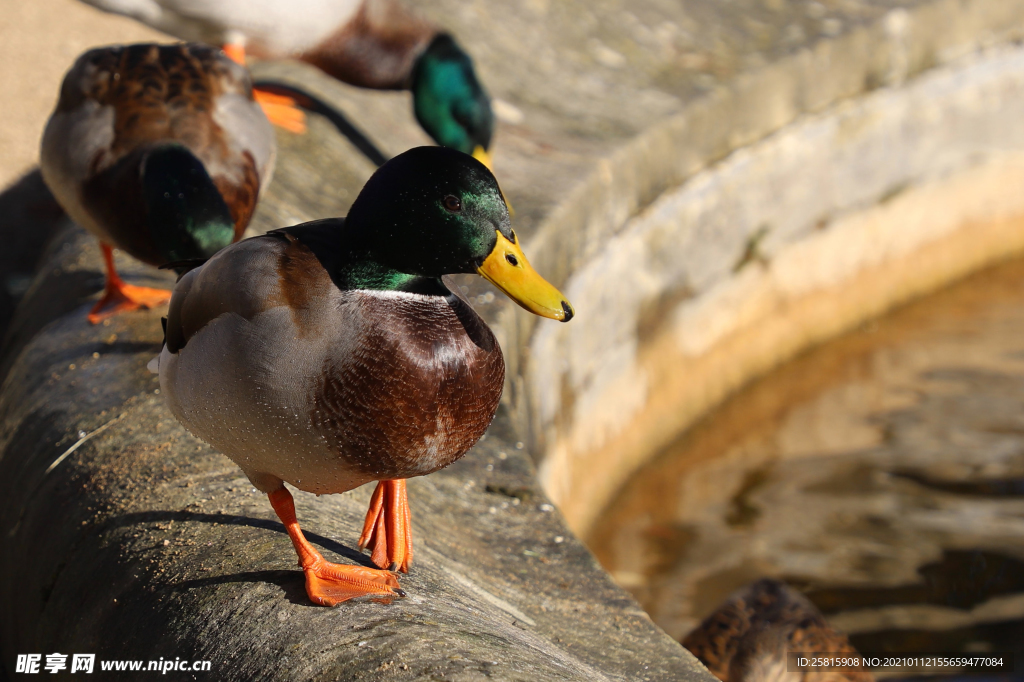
(909, 45)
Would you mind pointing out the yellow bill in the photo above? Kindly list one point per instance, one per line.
(481, 155)
(507, 268)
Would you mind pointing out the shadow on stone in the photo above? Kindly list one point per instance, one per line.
(29, 217)
(293, 584)
(349, 553)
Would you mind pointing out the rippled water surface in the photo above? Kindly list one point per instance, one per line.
(882, 474)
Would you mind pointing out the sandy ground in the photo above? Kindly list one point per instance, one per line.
(39, 40)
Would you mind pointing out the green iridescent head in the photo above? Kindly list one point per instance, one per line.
(430, 211)
(448, 100)
(433, 211)
(187, 216)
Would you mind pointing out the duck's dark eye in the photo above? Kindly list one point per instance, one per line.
(452, 204)
(512, 260)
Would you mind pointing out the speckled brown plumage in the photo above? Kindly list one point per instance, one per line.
(117, 103)
(748, 637)
(157, 92)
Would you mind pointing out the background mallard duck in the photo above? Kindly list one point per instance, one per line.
(159, 151)
(367, 43)
(333, 353)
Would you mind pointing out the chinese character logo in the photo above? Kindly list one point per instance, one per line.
(28, 663)
(82, 663)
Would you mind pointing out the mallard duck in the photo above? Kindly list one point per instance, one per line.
(158, 150)
(748, 638)
(335, 353)
(367, 43)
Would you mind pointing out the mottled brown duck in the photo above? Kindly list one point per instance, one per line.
(335, 353)
(160, 151)
(748, 638)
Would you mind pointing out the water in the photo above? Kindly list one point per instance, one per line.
(882, 474)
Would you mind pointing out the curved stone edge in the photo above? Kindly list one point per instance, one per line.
(905, 43)
(776, 323)
(124, 536)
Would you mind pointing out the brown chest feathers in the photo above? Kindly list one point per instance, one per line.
(416, 392)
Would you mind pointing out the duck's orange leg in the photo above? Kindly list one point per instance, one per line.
(120, 296)
(388, 526)
(282, 111)
(328, 584)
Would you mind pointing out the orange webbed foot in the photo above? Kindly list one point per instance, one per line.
(126, 297)
(388, 527)
(282, 111)
(329, 584)
(120, 296)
